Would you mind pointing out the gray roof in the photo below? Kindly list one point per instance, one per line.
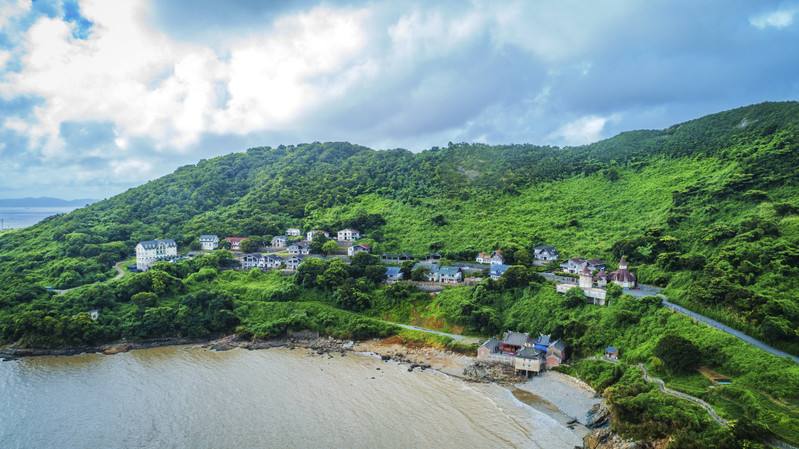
(208, 237)
(492, 344)
(150, 244)
(516, 338)
(559, 345)
(449, 271)
(529, 353)
(545, 248)
(542, 340)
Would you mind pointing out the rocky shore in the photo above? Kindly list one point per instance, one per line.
(13, 352)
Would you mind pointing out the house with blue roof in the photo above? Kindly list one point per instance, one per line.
(393, 274)
(497, 270)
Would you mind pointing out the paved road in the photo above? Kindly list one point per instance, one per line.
(456, 337)
(650, 290)
(679, 394)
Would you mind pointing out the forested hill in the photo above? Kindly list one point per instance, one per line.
(709, 208)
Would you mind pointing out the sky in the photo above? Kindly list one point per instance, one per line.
(97, 96)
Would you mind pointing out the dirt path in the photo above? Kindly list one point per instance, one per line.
(456, 337)
(120, 273)
(679, 394)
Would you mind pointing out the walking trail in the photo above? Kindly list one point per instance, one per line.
(120, 272)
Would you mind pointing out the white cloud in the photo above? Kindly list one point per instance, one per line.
(150, 85)
(583, 130)
(11, 10)
(778, 19)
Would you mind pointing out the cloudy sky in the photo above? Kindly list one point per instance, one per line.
(100, 95)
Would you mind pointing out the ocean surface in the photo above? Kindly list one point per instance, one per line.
(188, 397)
(20, 217)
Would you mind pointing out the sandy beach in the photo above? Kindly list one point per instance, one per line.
(560, 396)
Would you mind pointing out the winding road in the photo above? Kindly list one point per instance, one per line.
(650, 290)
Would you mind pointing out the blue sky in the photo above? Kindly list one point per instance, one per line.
(98, 96)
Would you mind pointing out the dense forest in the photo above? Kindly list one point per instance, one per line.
(708, 209)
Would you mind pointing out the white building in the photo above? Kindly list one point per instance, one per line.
(149, 252)
(279, 241)
(586, 283)
(299, 249)
(497, 258)
(355, 249)
(316, 233)
(293, 232)
(293, 262)
(250, 261)
(209, 242)
(545, 253)
(348, 235)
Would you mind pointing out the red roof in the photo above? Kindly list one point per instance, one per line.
(235, 239)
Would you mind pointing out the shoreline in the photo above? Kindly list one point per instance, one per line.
(458, 366)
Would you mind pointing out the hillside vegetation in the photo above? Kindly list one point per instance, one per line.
(708, 208)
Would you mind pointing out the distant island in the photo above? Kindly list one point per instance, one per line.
(44, 201)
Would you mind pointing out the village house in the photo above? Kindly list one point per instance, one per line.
(293, 232)
(497, 258)
(393, 274)
(489, 352)
(450, 275)
(525, 354)
(585, 283)
(271, 261)
(315, 234)
(483, 257)
(497, 270)
(209, 242)
(611, 353)
(235, 242)
(512, 342)
(622, 277)
(529, 361)
(149, 252)
(595, 264)
(293, 262)
(279, 241)
(556, 354)
(573, 265)
(250, 261)
(601, 279)
(433, 257)
(348, 235)
(545, 253)
(299, 249)
(396, 258)
(437, 273)
(355, 249)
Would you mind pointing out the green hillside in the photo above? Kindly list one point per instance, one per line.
(709, 208)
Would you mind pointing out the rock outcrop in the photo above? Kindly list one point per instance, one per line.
(604, 438)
